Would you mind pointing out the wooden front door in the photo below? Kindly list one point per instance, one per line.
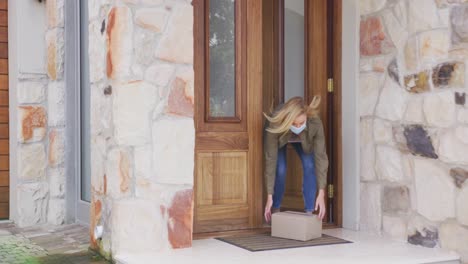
(228, 116)
(305, 63)
(4, 135)
(237, 78)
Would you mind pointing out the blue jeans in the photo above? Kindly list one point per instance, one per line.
(309, 183)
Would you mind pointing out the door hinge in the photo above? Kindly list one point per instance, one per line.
(330, 85)
(331, 191)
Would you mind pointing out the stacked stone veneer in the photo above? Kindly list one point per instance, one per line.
(414, 120)
(142, 129)
(41, 128)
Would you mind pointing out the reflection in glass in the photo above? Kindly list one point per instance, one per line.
(293, 48)
(222, 58)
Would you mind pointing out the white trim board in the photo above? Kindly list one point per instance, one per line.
(350, 114)
(13, 103)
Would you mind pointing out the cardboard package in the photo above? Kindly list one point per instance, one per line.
(295, 225)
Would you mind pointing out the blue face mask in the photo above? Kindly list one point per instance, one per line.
(298, 130)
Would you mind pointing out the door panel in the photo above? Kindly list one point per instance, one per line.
(317, 60)
(225, 183)
(4, 194)
(4, 178)
(4, 210)
(221, 192)
(211, 141)
(4, 163)
(222, 178)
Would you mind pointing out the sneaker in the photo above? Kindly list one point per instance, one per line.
(309, 212)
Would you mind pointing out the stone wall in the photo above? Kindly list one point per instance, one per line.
(40, 132)
(142, 129)
(414, 120)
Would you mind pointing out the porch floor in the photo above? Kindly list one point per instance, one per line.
(367, 248)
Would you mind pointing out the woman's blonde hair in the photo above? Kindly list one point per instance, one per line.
(281, 121)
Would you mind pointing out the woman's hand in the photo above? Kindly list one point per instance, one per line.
(268, 205)
(320, 204)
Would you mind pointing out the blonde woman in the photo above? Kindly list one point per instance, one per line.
(298, 124)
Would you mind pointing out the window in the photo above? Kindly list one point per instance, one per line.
(220, 57)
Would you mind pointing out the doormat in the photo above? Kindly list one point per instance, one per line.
(262, 242)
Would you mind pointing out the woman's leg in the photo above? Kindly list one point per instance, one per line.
(309, 182)
(280, 178)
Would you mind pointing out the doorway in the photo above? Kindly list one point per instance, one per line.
(241, 45)
(302, 58)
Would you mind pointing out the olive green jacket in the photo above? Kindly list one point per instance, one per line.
(312, 139)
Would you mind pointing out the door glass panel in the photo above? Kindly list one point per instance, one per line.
(85, 179)
(293, 48)
(222, 58)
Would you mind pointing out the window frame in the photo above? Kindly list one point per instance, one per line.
(204, 121)
(77, 210)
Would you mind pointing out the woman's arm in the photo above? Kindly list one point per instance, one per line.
(321, 158)
(321, 168)
(270, 146)
(270, 151)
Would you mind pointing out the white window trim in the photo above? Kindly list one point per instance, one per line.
(77, 210)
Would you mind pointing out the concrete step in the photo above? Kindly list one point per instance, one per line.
(366, 248)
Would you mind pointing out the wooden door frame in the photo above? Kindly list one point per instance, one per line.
(255, 78)
(333, 72)
(337, 110)
(255, 117)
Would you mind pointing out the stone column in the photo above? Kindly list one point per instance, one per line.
(142, 81)
(413, 120)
